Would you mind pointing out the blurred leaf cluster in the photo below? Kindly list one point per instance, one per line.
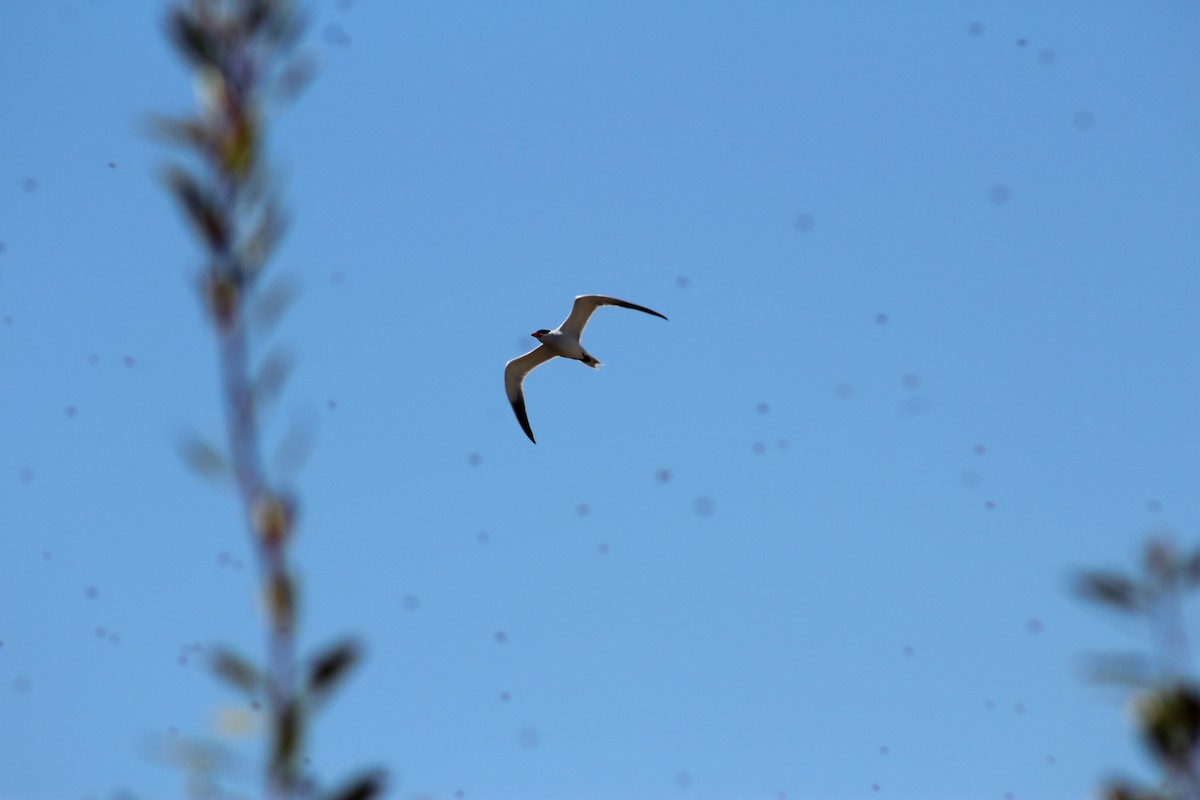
(245, 62)
(1165, 702)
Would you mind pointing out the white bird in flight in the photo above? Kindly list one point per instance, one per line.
(562, 341)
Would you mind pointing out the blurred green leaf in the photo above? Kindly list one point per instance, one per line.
(189, 133)
(1124, 790)
(199, 206)
(203, 457)
(1112, 590)
(284, 25)
(1128, 669)
(331, 666)
(274, 301)
(273, 373)
(364, 787)
(264, 235)
(1169, 719)
(195, 41)
(236, 670)
(294, 449)
(254, 14)
(295, 77)
(289, 733)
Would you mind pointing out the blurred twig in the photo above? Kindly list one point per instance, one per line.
(244, 60)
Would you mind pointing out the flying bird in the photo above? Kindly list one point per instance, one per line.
(562, 341)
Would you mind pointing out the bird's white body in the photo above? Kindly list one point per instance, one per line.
(568, 346)
(562, 341)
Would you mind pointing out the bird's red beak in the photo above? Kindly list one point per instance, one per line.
(536, 334)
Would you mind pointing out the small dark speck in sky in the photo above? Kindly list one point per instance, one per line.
(999, 194)
(805, 223)
(975, 29)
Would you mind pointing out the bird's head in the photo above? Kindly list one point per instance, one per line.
(539, 334)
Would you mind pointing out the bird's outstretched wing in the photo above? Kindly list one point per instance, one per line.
(585, 304)
(514, 375)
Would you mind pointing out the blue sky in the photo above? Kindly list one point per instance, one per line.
(932, 346)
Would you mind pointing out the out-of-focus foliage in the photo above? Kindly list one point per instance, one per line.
(245, 62)
(1165, 706)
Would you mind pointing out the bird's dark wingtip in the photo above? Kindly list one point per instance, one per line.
(523, 418)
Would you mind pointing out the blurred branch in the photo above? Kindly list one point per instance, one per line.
(244, 61)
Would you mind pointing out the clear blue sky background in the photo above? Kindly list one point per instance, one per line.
(820, 600)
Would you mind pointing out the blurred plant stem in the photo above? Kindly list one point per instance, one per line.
(242, 53)
(1165, 707)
